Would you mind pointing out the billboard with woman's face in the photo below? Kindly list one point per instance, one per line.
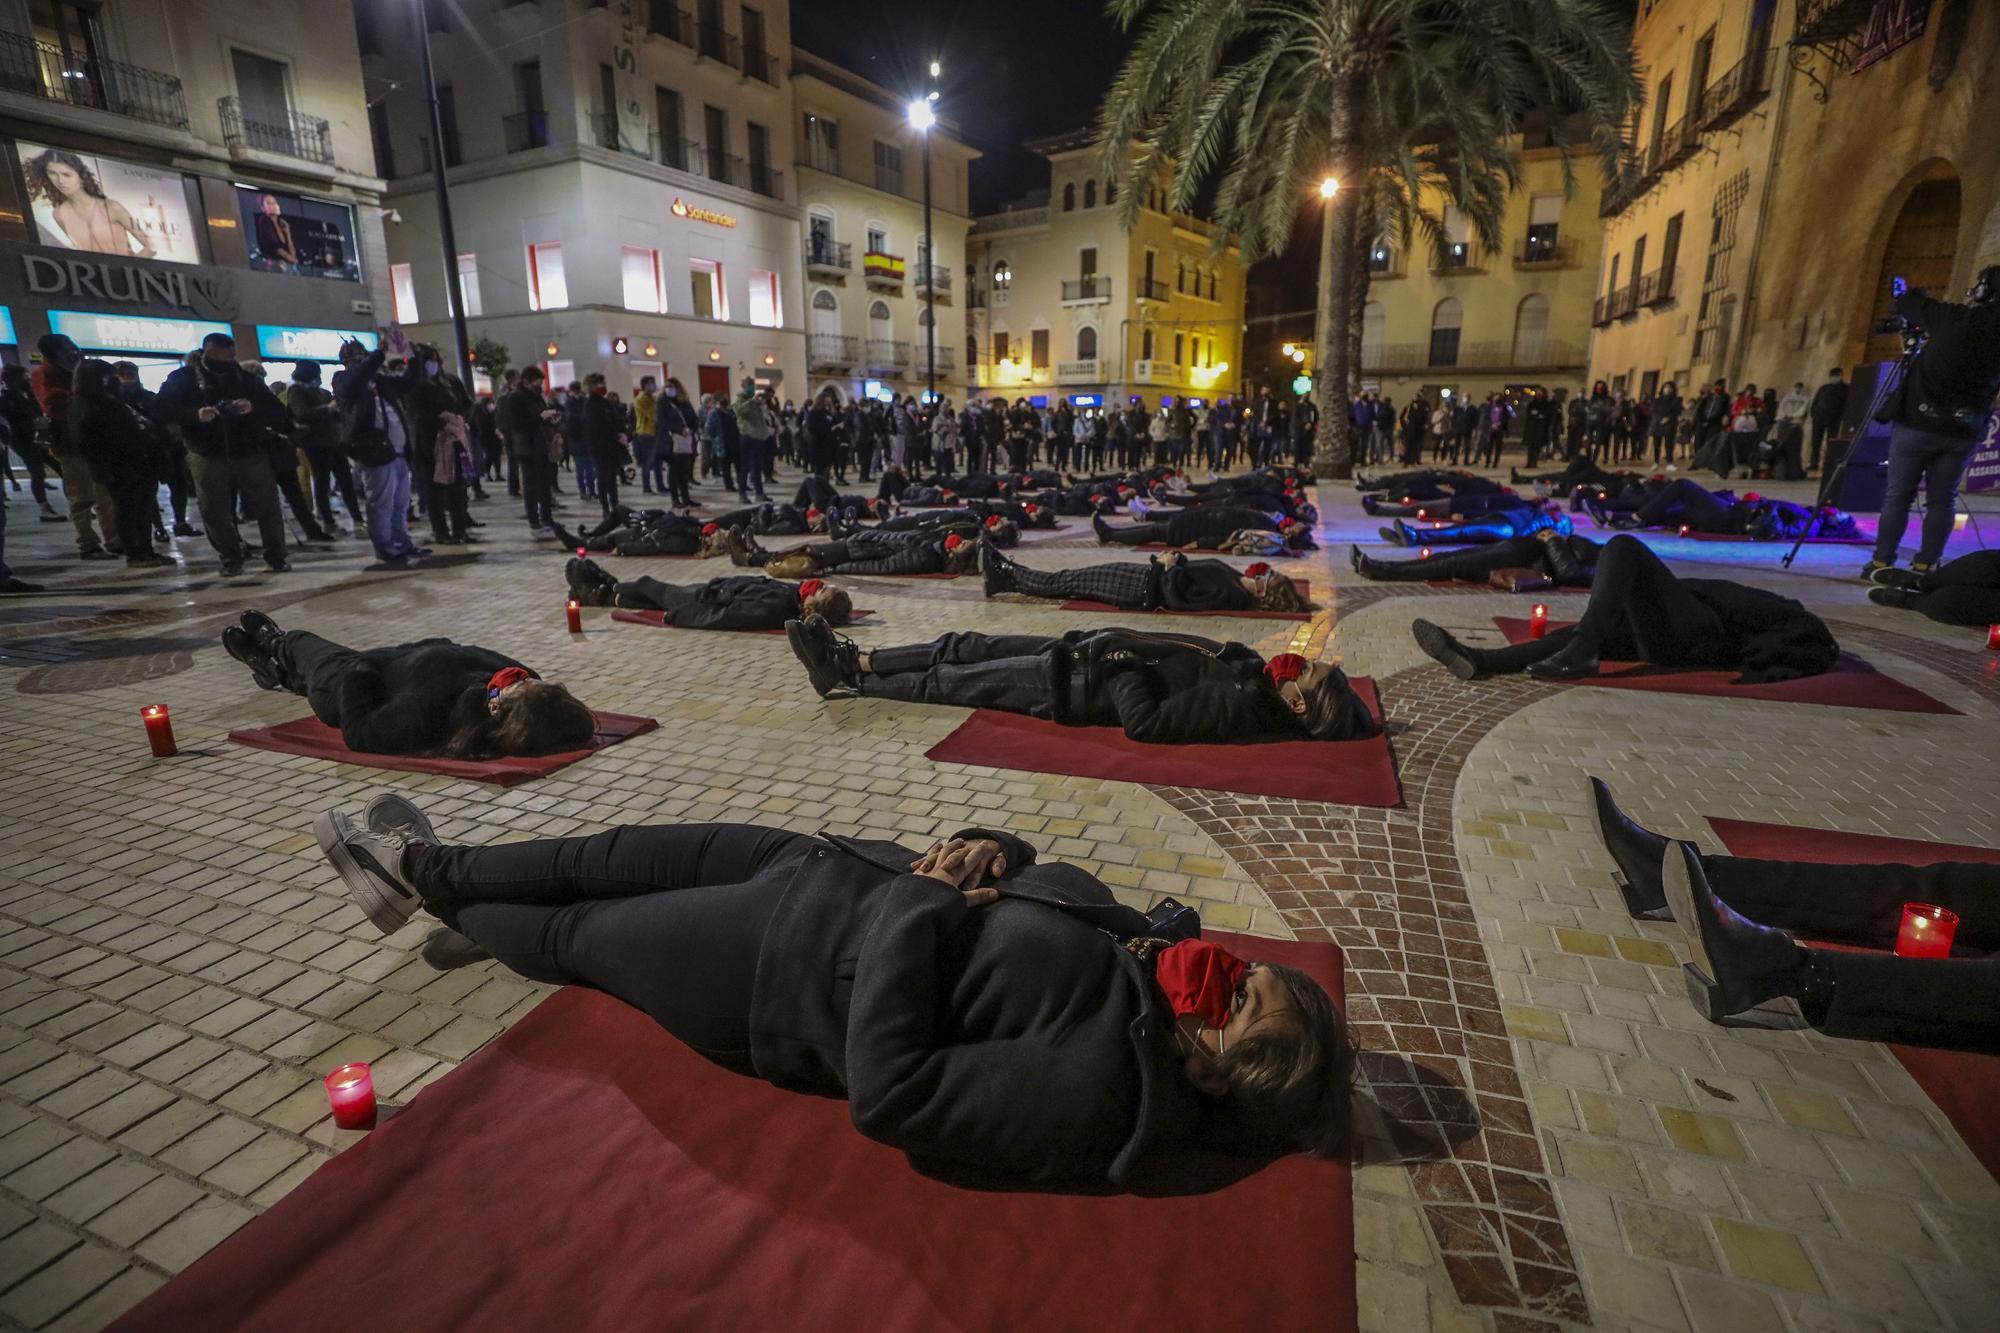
(81, 201)
(290, 233)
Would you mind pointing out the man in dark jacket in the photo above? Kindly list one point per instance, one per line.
(1829, 408)
(1205, 527)
(316, 431)
(732, 602)
(1938, 414)
(1172, 689)
(976, 1009)
(227, 417)
(527, 425)
(1666, 423)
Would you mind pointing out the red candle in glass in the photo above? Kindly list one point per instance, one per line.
(350, 1090)
(1684, 529)
(1993, 637)
(159, 730)
(583, 553)
(1538, 621)
(575, 610)
(1424, 553)
(1926, 932)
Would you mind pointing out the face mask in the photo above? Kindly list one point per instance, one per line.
(217, 367)
(673, 393)
(431, 368)
(1199, 979)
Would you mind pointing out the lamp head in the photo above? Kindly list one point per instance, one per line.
(1328, 187)
(922, 117)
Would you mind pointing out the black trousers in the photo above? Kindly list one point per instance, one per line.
(680, 476)
(1138, 534)
(1636, 606)
(1015, 673)
(537, 476)
(1126, 586)
(1952, 1002)
(650, 594)
(316, 668)
(134, 500)
(1688, 502)
(1513, 553)
(449, 519)
(330, 472)
(1964, 592)
(1822, 431)
(668, 919)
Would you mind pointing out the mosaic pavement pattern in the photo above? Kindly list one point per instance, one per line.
(1554, 1138)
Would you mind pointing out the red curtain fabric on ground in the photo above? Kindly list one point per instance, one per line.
(587, 1172)
(315, 740)
(658, 620)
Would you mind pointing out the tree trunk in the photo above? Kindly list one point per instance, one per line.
(1364, 241)
(1334, 356)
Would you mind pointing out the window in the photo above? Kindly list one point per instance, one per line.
(715, 134)
(1374, 332)
(1544, 229)
(607, 108)
(262, 93)
(1090, 194)
(1445, 321)
(765, 310)
(560, 373)
(437, 16)
(1003, 275)
(1038, 349)
(532, 119)
(1086, 262)
(1211, 286)
(1704, 55)
(762, 179)
(753, 44)
(1531, 330)
(1612, 285)
(1152, 262)
(1086, 343)
(1380, 257)
(468, 286)
(640, 267)
(1670, 253)
(378, 134)
(667, 110)
(888, 167)
(1638, 261)
(1458, 239)
(405, 293)
(547, 289)
(822, 142)
(705, 281)
(448, 123)
(1146, 345)
(1069, 197)
(1662, 99)
(1178, 349)
(999, 346)
(878, 239)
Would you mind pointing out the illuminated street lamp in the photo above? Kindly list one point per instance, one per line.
(922, 117)
(1328, 187)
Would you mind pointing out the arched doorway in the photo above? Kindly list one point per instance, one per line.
(1531, 330)
(825, 321)
(1374, 333)
(1446, 320)
(1922, 248)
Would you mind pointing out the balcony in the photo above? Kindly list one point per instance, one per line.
(1152, 289)
(682, 155)
(278, 130)
(829, 351)
(670, 21)
(934, 278)
(888, 354)
(526, 130)
(824, 256)
(1656, 288)
(1676, 144)
(881, 269)
(976, 298)
(761, 65)
(1094, 288)
(889, 180)
(1737, 91)
(1617, 305)
(1153, 372)
(823, 156)
(1384, 262)
(947, 359)
(765, 179)
(1086, 371)
(713, 42)
(1459, 257)
(38, 69)
(1537, 254)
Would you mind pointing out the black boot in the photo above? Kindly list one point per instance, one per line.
(995, 570)
(1564, 567)
(1902, 599)
(1736, 963)
(1573, 661)
(1638, 852)
(266, 672)
(589, 585)
(263, 632)
(1441, 647)
(829, 659)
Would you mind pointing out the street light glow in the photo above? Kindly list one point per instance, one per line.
(935, 71)
(1289, 348)
(1327, 187)
(921, 115)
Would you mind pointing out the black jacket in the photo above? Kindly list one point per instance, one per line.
(1020, 1038)
(741, 601)
(1208, 526)
(359, 389)
(114, 439)
(1171, 688)
(518, 418)
(231, 434)
(1951, 385)
(603, 420)
(1204, 585)
(315, 417)
(1829, 403)
(409, 699)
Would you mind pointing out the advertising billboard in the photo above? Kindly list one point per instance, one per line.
(292, 233)
(81, 201)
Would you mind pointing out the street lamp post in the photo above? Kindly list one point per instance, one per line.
(451, 283)
(922, 117)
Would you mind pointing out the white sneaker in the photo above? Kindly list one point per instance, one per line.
(391, 813)
(370, 864)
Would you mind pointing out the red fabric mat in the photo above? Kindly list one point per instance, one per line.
(1305, 590)
(1963, 1084)
(658, 620)
(1851, 684)
(314, 739)
(585, 1171)
(1342, 772)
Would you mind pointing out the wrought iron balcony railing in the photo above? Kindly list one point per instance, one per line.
(526, 130)
(829, 254)
(40, 69)
(275, 130)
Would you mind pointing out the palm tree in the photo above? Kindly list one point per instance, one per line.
(1388, 97)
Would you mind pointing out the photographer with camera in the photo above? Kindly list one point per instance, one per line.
(1938, 413)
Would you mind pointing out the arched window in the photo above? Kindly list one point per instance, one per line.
(1069, 197)
(1445, 321)
(1211, 286)
(823, 300)
(1374, 328)
(1531, 330)
(1086, 343)
(1110, 192)
(1003, 275)
(824, 320)
(1180, 275)
(924, 317)
(1090, 194)
(881, 325)
(1146, 345)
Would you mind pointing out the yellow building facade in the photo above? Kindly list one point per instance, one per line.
(1064, 301)
(1792, 158)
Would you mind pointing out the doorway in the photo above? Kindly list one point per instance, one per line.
(1922, 247)
(714, 379)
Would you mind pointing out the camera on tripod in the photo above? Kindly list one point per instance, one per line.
(1911, 333)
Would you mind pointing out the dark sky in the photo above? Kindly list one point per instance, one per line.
(1013, 69)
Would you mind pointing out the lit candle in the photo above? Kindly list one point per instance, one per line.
(1423, 513)
(1993, 637)
(350, 1090)
(575, 610)
(1926, 931)
(1538, 620)
(1424, 553)
(1684, 529)
(159, 730)
(583, 553)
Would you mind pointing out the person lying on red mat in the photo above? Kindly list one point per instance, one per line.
(738, 602)
(431, 697)
(1164, 583)
(976, 1007)
(1163, 688)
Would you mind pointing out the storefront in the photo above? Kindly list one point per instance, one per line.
(279, 346)
(156, 345)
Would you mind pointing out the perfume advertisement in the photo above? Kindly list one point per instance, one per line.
(290, 233)
(81, 201)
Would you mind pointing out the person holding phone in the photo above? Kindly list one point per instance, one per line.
(227, 416)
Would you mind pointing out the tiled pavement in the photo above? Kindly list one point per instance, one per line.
(1565, 1141)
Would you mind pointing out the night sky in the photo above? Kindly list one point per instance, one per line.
(1013, 69)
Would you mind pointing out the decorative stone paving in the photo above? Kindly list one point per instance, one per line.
(1553, 1137)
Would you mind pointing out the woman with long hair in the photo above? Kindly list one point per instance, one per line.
(431, 697)
(442, 458)
(680, 431)
(78, 205)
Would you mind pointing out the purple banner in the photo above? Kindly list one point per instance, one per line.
(1982, 473)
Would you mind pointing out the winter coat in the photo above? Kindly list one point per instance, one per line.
(409, 699)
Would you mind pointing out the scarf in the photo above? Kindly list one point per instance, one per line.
(1200, 979)
(505, 677)
(1283, 667)
(810, 588)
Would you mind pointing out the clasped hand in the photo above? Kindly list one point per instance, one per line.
(962, 864)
